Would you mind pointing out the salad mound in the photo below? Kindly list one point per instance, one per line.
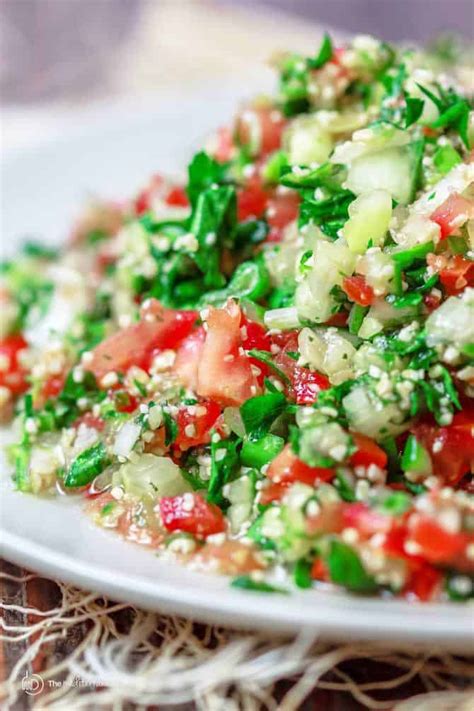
(268, 371)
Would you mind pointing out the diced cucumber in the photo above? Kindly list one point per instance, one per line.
(415, 457)
(241, 494)
(369, 218)
(395, 170)
(150, 475)
(307, 142)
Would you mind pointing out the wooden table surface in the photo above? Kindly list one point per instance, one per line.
(43, 594)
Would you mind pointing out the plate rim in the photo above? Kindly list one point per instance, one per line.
(450, 625)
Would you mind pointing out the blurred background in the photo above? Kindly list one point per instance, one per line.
(58, 56)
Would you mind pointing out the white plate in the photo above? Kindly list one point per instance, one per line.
(43, 189)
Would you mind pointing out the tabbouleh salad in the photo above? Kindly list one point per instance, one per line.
(268, 371)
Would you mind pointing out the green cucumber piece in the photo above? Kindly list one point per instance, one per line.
(395, 169)
(415, 457)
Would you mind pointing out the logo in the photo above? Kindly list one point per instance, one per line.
(32, 684)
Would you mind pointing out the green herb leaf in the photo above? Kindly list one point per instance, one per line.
(302, 573)
(396, 503)
(325, 53)
(257, 453)
(258, 413)
(245, 582)
(203, 171)
(346, 569)
(223, 468)
(87, 466)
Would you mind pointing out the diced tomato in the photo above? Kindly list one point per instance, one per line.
(225, 371)
(423, 583)
(251, 200)
(458, 274)
(177, 197)
(452, 214)
(53, 386)
(436, 544)
(432, 301)
(282, 208)
(333, 518)
(274, 492)
(338, 320)
(358, 290)
(195, 422)
(451, 448)
(286, 467)
(224, 146)
(368, 452)
(305, 384)
(365, 520)
(192, 514)
(134, 345)
(144, 199)
(254, 335)
(338, 55)
(125, 402)
(12, 373)
(261, 129)
(286, 340)
(90, 420)
(319, 570)
(188, 357)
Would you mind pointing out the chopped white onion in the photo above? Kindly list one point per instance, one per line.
(126, 438)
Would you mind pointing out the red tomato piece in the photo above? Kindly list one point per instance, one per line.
(368, 452)
(254, 335)
(282, 208)
(251, 200)
(333, 518)
(436, 544)
(195, 422)
(451, 448)
(338, 320)
(286, 467)
(452, 214)
(12, 373)
(358, 290)
(261, 129)
(458, 274)
(144, 199)
(224, 149)
(125, 402)
(225, 371)
(365, 520)
(192, 514)
(432, 301)
(134, 345)
(90, 420)
(53, 386)
(319, 570)
(188, 356)
(177, 197)
(274, 492)
(423, 583)
(305, 384)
